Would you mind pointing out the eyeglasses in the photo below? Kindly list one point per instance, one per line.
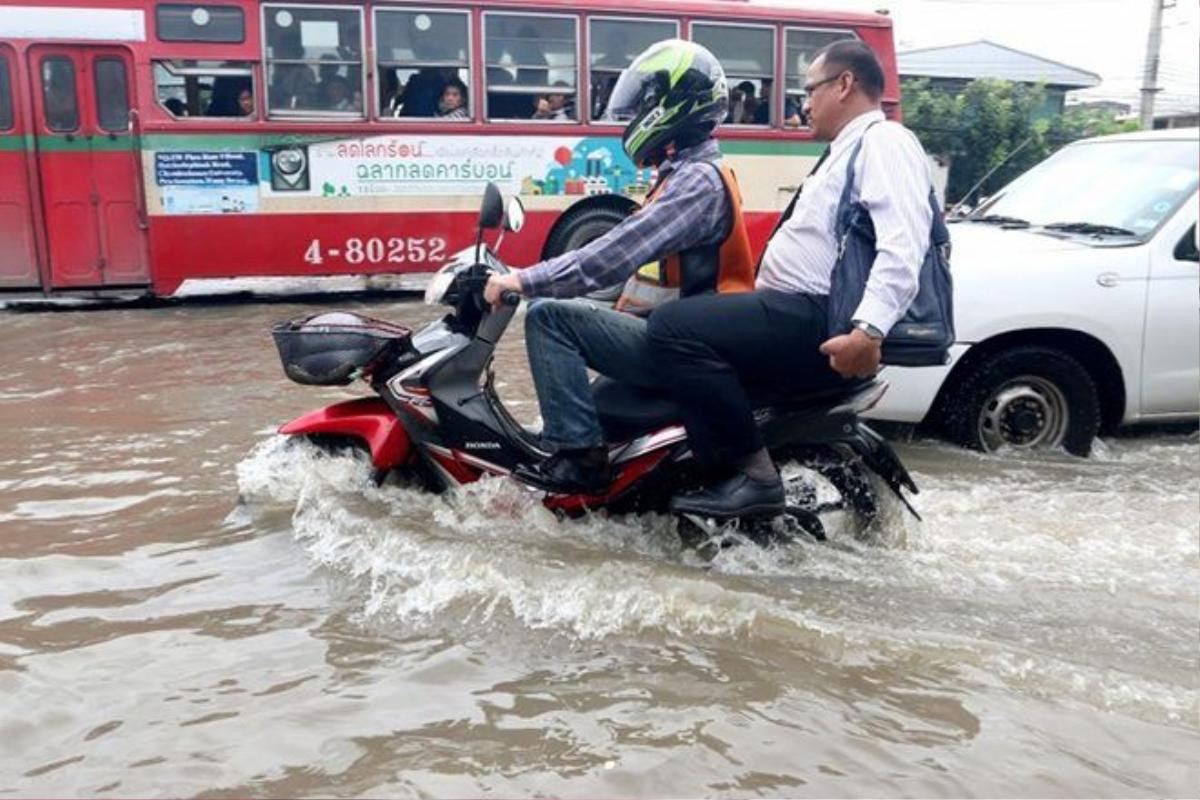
(809, 88)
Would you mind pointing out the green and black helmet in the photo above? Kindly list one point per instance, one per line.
(675, 91)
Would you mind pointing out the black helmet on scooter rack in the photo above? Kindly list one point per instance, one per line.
(674, 92)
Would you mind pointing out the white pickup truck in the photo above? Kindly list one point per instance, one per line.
(1077, 301)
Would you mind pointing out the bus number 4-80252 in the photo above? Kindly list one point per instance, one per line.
(375, 250)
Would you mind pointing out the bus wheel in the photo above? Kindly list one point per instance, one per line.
(581, 227)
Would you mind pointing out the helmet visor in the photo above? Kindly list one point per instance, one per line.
(633, 93)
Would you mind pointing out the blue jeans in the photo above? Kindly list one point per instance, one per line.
(564, 338)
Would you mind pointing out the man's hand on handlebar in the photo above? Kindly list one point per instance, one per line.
(500, 285)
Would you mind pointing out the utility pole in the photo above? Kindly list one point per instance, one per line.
(1150, 76)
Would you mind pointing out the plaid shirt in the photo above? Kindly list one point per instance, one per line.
(691, 210)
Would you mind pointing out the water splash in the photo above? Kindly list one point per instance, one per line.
(1001, 574)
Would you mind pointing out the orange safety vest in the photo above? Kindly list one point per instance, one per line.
(726, 266)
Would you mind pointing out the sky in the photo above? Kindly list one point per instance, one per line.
(1107, 37)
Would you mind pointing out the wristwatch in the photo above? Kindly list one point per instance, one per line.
(867, 328)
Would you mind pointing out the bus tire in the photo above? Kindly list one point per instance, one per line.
(580, 227)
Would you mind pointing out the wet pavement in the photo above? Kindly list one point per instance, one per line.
(189, 605)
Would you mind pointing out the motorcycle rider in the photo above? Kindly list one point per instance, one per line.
(689, 238)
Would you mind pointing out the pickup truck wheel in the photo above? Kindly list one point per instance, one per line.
(1025, 398)
(579, 229)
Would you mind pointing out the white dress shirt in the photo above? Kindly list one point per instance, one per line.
(892, 179)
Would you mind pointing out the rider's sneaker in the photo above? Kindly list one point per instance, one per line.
(569, 471)
(739, 496)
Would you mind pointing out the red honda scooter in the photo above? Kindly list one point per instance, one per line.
(436, 418)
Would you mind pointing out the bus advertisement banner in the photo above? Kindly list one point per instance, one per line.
(207, 182)
(456, 165)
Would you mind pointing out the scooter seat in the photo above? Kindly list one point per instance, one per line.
(823, 399)
(627, 411)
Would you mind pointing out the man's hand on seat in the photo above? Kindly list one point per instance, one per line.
(853, 355)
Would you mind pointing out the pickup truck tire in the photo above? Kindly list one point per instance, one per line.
(1026, 397)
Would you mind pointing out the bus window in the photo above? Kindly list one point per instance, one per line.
(800, 44)
(6, 106)
(204, 88)
(748, 55)
(112, 95)
(613, 44)
(314, 60)
(192, 23)
(58, 94)
(420, 55)
(531, 66)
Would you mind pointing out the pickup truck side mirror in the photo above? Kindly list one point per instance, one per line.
(1188, 249)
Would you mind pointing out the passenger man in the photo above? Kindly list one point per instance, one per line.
(688, 238)
(718, 350)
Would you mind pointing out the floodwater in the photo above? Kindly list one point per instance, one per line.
(189, 606)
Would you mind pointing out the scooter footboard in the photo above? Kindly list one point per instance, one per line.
(366, 418)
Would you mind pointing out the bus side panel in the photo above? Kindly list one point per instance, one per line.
(759, 225)
(70, 218)
(220, 246)
(18, 259)
(18, 255)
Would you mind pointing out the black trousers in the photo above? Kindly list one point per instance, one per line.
(721, 351)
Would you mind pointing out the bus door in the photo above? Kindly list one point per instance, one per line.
(18, 255)
(89, 162)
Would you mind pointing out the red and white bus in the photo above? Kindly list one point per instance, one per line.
(144, 144)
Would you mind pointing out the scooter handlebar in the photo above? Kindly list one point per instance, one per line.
(510, 298)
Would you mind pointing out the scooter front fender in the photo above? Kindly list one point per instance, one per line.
(368, 419)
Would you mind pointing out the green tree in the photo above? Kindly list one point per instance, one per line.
(1080, 123)
(990, 127)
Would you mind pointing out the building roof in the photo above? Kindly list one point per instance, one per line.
(984, 59)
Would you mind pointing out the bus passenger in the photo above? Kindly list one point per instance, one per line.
(423, 92)
(293, 87)
(555, 106)
(226, 97)
(390, 96)
(245, 101)
(504, 105)
(792, 116)
(336, 94)
(689, 238)
(453, 104)
(741, 104)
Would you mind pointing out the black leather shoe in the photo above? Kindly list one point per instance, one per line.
(739, 496)
(574, 471)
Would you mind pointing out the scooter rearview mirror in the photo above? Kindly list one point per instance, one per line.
(514, 216)
(491, 211)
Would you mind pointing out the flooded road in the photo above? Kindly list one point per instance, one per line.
(188, 606)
